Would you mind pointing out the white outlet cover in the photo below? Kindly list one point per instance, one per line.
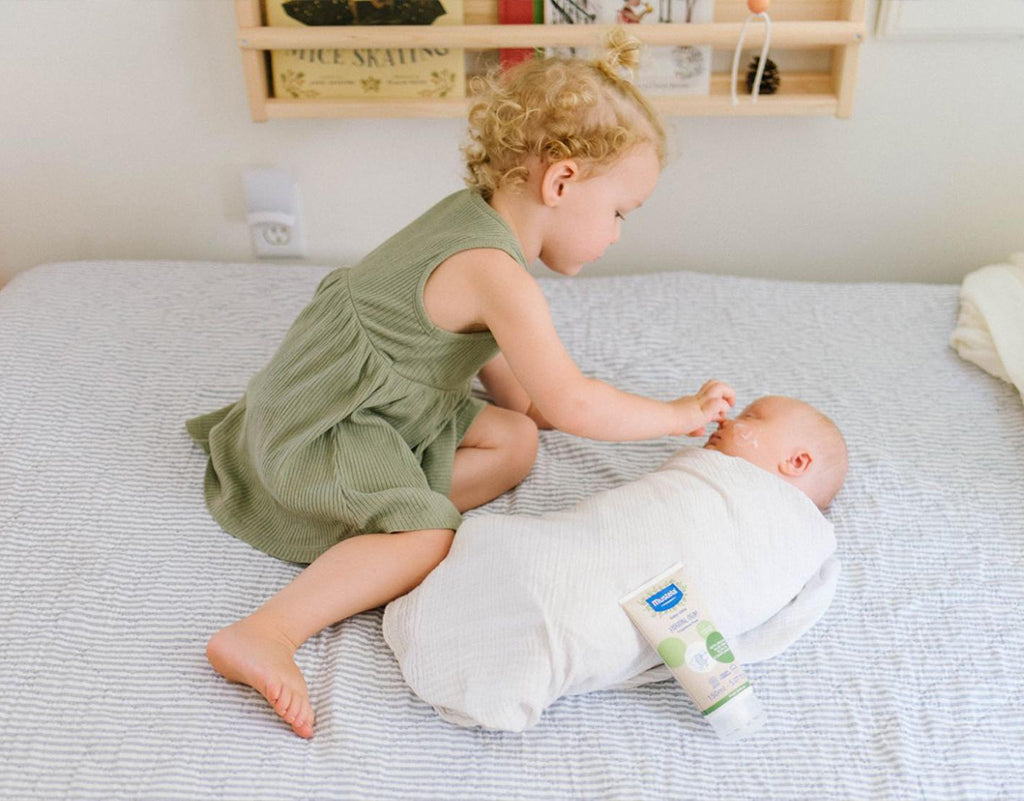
(274, 213)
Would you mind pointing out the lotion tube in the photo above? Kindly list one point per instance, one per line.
(668, 613)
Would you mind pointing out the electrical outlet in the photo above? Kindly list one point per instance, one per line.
(275, 221)
(276, 234)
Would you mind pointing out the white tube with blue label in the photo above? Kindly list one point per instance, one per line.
(667, 612)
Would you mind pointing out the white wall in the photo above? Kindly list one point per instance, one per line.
(124, 129)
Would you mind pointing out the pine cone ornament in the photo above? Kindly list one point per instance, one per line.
(770, 79)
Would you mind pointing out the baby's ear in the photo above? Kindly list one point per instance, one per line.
(797, 464)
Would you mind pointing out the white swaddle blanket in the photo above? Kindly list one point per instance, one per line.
(525, 610)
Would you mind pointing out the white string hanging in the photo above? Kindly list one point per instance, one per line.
(758, 10)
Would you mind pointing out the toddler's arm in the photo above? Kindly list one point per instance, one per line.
(511, 304)
(507, 392)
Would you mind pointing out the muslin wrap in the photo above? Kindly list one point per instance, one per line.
(990, 326)
(524, 610)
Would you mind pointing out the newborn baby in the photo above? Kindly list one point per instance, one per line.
(790, 439)
(525, 609)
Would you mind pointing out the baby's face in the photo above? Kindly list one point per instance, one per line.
(789, 439)
(764, 433)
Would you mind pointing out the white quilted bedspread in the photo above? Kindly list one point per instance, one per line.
(112, 575)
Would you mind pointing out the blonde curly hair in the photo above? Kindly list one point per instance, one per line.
(558, 108)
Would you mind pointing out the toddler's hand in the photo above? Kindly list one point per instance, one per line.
(711, 404)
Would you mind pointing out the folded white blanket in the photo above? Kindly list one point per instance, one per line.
(525, 610)
(990, 326)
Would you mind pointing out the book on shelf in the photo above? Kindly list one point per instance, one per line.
(518, 12)
(662, 70)
(396, 72)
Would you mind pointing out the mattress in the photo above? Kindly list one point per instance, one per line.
(113, 575)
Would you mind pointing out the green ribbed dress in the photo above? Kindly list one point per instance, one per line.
(352, 426)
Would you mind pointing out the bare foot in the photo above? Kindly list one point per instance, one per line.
(251, 653)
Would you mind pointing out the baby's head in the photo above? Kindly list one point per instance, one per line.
(791, 439)
(548, 110)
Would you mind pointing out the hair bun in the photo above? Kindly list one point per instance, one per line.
(622, 51)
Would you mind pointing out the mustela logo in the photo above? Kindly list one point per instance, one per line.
(665, 599)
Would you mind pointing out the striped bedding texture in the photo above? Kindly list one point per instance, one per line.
(112, 574)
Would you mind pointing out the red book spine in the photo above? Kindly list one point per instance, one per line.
(515, 12)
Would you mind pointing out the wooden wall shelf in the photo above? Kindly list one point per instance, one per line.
(830, 25)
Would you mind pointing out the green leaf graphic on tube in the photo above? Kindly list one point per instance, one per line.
(719, 648)
(671, 651)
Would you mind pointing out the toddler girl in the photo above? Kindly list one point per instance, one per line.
(362, 422)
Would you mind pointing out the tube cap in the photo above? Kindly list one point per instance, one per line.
(739, 717)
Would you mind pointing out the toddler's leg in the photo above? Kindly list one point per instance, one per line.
(496, 453)
(357, 574)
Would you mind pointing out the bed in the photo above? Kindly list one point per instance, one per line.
(112, 574)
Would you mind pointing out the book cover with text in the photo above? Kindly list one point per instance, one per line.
(420, 72)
